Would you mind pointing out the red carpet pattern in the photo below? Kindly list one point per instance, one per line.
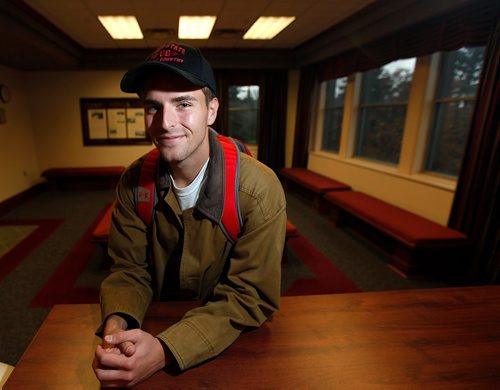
(61, 288)
(328, 278)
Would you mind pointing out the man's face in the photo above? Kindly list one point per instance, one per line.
(177, 119)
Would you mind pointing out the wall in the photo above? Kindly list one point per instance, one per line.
(43, 130)
(55, 108)
(427, 200)
(293, 90)
(18, 154)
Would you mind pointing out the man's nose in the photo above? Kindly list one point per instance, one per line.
(169, 117)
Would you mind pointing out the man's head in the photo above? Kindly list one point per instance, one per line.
(174, 58)
(177, 87)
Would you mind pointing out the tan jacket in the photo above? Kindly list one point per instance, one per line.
(185, 255)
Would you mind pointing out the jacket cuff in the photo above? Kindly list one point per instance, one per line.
(187, 344)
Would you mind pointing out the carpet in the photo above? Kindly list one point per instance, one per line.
(306, 271)
(20, 237)
(62, 286)
(11, 235)
(326, 277)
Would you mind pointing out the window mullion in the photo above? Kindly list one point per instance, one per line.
(354, 114)
(347, 118)
(416, 104)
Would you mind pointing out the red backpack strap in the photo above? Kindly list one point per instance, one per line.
(242, 147)
(145, 196)
(231, 221)
(231, 218)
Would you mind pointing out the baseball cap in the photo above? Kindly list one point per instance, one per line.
(179, 58)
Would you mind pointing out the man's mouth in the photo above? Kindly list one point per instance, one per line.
(169, 139)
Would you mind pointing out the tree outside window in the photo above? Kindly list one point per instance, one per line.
(333, 114)
(382, 111)
(457, 85)
(244, 113)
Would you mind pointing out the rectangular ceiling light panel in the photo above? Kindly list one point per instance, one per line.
(195, 27)
(267, 27)
(121, 27)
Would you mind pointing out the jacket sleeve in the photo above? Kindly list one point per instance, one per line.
(248, 291)
(127, 289)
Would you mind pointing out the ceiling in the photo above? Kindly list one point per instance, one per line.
(159, 18)
(66, 34)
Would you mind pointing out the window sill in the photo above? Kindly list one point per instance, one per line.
(422, 178)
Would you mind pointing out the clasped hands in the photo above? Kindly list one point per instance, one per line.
(126, 357)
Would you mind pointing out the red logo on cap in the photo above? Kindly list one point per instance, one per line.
(169, 53)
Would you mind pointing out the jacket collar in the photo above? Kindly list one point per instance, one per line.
(211, 199)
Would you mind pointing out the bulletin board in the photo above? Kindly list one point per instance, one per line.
(113, 121)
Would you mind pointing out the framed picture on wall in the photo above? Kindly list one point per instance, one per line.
(113, 121)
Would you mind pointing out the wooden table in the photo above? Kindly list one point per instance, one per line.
(437, 338)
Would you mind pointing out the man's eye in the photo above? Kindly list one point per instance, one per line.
(184, 105)
(151, 109)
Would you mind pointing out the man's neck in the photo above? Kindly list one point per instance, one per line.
(185, 172)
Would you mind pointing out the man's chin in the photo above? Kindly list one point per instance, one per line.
(168, 154)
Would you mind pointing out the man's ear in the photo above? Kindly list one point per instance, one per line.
(213, 106)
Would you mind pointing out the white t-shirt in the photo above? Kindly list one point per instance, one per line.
(188, 195)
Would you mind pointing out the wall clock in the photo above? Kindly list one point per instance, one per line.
(4, 93)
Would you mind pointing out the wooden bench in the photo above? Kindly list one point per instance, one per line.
(100, 234)
(310, 184)
(415, 245)
(83, 177)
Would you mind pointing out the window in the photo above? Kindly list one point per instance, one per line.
(333, 114)
(244, 113)
(382, 111)
(457, 84)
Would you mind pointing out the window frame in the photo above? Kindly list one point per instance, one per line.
(258, 109)
(321, 115)
(416, 130)
(360, 107)
(431, 106)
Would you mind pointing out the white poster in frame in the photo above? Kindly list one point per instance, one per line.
(136, 128)
(117, 123)
(98, 127)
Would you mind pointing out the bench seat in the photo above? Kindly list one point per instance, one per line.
(415, 244)
(312, 184)
(83, 177)
(100, 234)
(291, 230)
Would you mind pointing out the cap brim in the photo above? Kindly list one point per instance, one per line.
(133, 80)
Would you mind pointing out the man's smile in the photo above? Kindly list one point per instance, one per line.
(169, 139)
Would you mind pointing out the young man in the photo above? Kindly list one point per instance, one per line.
(184, 252)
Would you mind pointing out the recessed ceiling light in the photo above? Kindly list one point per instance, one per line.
(121, 27)
(267, 27)
(195, 27)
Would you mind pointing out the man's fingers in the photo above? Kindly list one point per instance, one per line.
(111, 378)
(112, 360)
(127, 348)
(121, 337)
